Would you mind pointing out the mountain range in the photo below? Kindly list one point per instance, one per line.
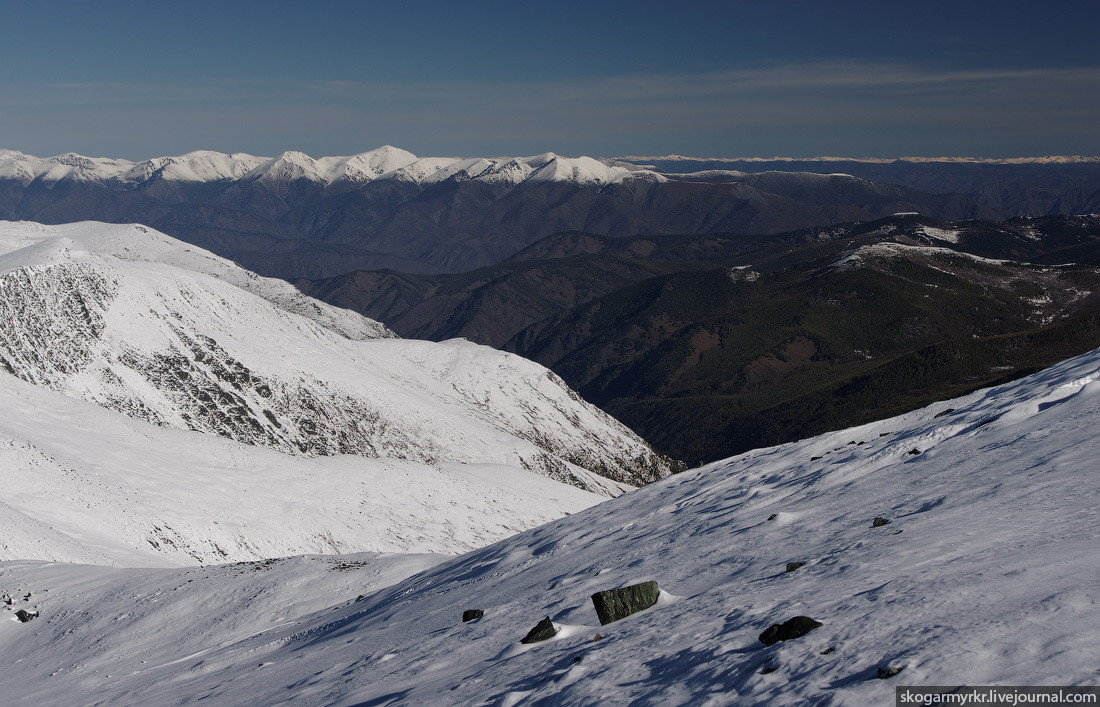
(295, 216)
(1013, 187)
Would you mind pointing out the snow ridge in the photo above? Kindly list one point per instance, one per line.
(142, 324)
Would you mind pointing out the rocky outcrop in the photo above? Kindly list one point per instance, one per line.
(615, 604)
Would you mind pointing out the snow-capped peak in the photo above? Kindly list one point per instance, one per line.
(366, 166)
(581, 170)
(289, 166)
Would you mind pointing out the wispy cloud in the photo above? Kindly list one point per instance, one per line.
(857, 107)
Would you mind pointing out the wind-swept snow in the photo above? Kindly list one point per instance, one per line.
(985, 574)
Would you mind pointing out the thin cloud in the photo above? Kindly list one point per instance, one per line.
(886, 109)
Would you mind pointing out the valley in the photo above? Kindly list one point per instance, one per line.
(766, 339)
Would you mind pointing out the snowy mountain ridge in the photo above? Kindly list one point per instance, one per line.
(385, 162)
(142, 324)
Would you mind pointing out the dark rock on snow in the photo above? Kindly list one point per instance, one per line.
(614, 604)
(884, 673)
(791, 628)
(471, 614)
(792, 566)
(25, 616)
(880, 521)
(543, 630)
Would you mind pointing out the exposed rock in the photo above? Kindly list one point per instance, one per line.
(773, 516)
(471, 614)
(941, 413)
(543, 630)
(914, 451)
(884, 673)
(879, 522)
(614, 604)
(792, 566)
(791, 628)
(25, 616)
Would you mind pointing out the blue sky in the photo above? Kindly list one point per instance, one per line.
(723, 79)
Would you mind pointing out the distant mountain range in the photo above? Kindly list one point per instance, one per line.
(1037, 186)
(295, 216)
(712, 345)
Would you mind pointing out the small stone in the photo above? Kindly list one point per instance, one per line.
(792, 566)
(914, 451)
(941, 413)
(768, 669)
(884, 673)
(543, 630)
(597, 637)
(879, 522)
(614, 604)
(791, 628)
(25, 616)
(827, 651)
(813, 459)
(359, 598)
(471, 614)
(773, 516)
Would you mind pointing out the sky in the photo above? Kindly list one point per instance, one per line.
(793, 78)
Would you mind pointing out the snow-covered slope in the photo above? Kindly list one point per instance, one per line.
(84, 484)
(385, 162)
(985, 574)
(140, 323)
